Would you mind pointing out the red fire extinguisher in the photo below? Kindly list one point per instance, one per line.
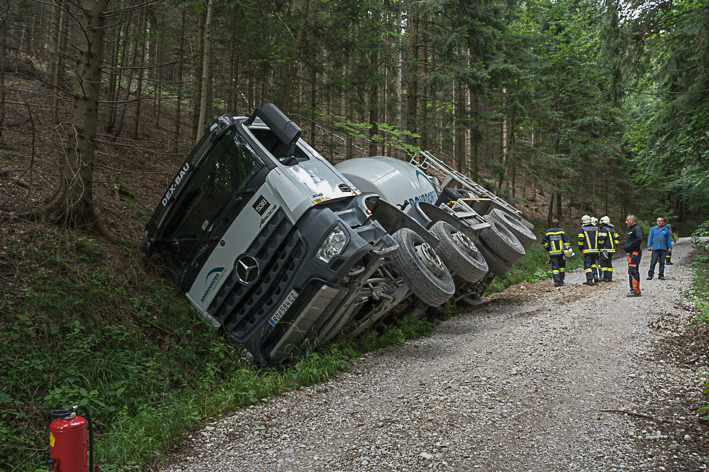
(67, 441)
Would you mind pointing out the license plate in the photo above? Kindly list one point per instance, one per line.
(287, 303)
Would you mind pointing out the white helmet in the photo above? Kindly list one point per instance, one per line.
(585, 219)
(594, 220)
(605, 220)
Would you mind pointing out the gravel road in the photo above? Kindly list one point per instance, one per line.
(518, 384)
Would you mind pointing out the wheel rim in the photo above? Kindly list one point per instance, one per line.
(430, 259)
(518, 224)
(503, 233)
(466, 244)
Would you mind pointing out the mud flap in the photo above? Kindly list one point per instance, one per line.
(393, 219)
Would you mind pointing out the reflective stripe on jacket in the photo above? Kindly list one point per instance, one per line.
(555, 240)
(608, 239)
(588, 239)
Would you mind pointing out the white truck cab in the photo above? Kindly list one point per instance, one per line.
(273, 245)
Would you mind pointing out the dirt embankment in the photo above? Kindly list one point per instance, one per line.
(576, 378)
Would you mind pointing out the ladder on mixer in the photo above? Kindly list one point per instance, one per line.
(451, 175)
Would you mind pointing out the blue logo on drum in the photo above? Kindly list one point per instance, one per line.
(424, 183)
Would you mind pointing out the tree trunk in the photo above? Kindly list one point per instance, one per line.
(349, 98)
(474, 141)
(141, 72)
(114, 87)
(197, 72)
(205, 70)
(290, 78)
(412, 83)
(434, 103)
(58, 63)
(423, 123)
(557, 179)
(460, 126)
(511, 153)
(73, 204)
(399, 119)
(313, 83)
(374, 106)
(158, 71)
(119, 125)
(179, 85)
(231, 87)
(503, 146)
(3, 53)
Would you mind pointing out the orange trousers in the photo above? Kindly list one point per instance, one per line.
(633, 273)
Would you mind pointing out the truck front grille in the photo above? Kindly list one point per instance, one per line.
(279, 251)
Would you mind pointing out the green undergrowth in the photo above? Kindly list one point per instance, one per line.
(83, 323)
(700, 293)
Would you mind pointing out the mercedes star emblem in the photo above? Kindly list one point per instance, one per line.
(247, 269)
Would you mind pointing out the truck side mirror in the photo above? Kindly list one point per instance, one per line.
(284, 129)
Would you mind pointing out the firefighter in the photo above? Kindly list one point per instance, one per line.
(632, 249)
(607, 241)
(556, 242)
(668, 258)
(597, 266)
(588, 246)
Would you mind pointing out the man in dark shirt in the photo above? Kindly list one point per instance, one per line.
(634, 254)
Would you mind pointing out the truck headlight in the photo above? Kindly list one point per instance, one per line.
(332, 246)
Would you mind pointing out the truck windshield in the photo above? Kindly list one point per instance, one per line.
(219, 181)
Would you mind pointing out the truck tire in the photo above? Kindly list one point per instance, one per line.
(459, 252)
(516, 227)
(497, 266)
(500, 241)
(417, 263)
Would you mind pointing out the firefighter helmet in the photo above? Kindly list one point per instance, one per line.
(605, 220)
(594, 220)
(585, 219)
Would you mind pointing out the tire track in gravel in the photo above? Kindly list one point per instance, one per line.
(516, 386)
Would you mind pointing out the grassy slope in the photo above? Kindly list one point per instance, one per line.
(700, 295)
(84, 323)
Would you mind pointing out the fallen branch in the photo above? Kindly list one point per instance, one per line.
(6, 173)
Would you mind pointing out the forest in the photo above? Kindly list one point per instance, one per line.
(564, 108)
(595, 107)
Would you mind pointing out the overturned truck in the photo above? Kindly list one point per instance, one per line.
(281, 251)
(485, 235)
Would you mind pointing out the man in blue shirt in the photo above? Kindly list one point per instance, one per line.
(660, 243)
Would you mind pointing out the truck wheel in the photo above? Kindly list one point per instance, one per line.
(516, 227)
(501, 242)
(459, 252)
(421, 268)
(497, 266)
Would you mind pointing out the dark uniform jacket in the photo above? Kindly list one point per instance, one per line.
(555, 240)
(634, 239)
(608, 238)
(588, 239)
